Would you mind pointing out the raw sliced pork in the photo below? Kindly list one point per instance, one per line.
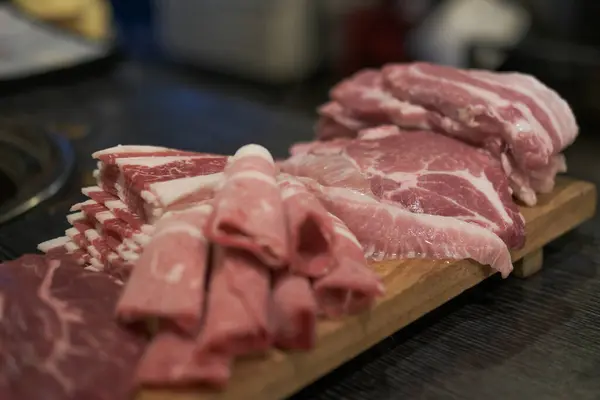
(168, 279)
(424, 172)
(248, 210)
(352, 287)
(310, 229)
(294, 311)
(236, 320)
(170, 360)
(60, 339)
(531, 119)
(434, 197)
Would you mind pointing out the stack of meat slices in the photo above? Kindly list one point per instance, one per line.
(136, 185)
(226, 255)
(517, 119)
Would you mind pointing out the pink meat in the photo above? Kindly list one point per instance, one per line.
(126, 173)
(352, 287)
(114, 228)
(169, 277)
(388, 231)
(115, 205)
(294, 312)
(533, 121)
(310, 229)
(63, 246)
(175, 194)
(236, 320)
(424, 172)
(248, 211)
(364, 97)
(327, 129)
(170, 361)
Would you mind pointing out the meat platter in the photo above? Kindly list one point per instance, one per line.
(413, 289)
(189, 275)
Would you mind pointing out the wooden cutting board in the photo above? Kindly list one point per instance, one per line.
(414, 288)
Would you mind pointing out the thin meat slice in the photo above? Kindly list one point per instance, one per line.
(112, 225)
(364, 97)
(352, 287)
(388, 231)
(327, 128)
(63, 247)
(170, 360)
(533, 121)
(238, 303)
(114, 204)
(294, 312)
(310, 229)
(169, 277)
(135, 174)
(59, 337)
(423, 172)
(161, 197)
(248, 211)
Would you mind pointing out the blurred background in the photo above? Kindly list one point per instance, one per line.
(212, 75)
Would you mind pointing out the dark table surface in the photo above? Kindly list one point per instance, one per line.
(511, 339)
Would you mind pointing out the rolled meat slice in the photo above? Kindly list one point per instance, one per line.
(248, 210)
(294, 312)
(170, 361)
(310, 229)
(236, 320)
(352, 286)
(169, 278)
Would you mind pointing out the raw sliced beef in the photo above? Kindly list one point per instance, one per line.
(168, 279)
(115, 228)
(517, 110)
(63, 247)
(352, 287)
(248, 210)
(129, 177)
(60, 339)
(423, 172)
(294, 312)
(113, 204)
(310, 229)
(161, 197)
(236, 320)
(170, 360)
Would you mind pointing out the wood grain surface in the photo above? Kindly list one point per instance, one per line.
(414, 287)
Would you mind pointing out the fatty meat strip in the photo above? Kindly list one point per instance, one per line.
(310, 229)
(294, 311)
(239, 294)
(352, 287)
(169, 277)
(129, 176)
(388, 231)
(248, 210)
(170, 360)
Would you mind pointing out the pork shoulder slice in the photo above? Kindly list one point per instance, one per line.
(168, 279)
(248, 210)
(420, 171)
(387, 231)
(236, 320)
